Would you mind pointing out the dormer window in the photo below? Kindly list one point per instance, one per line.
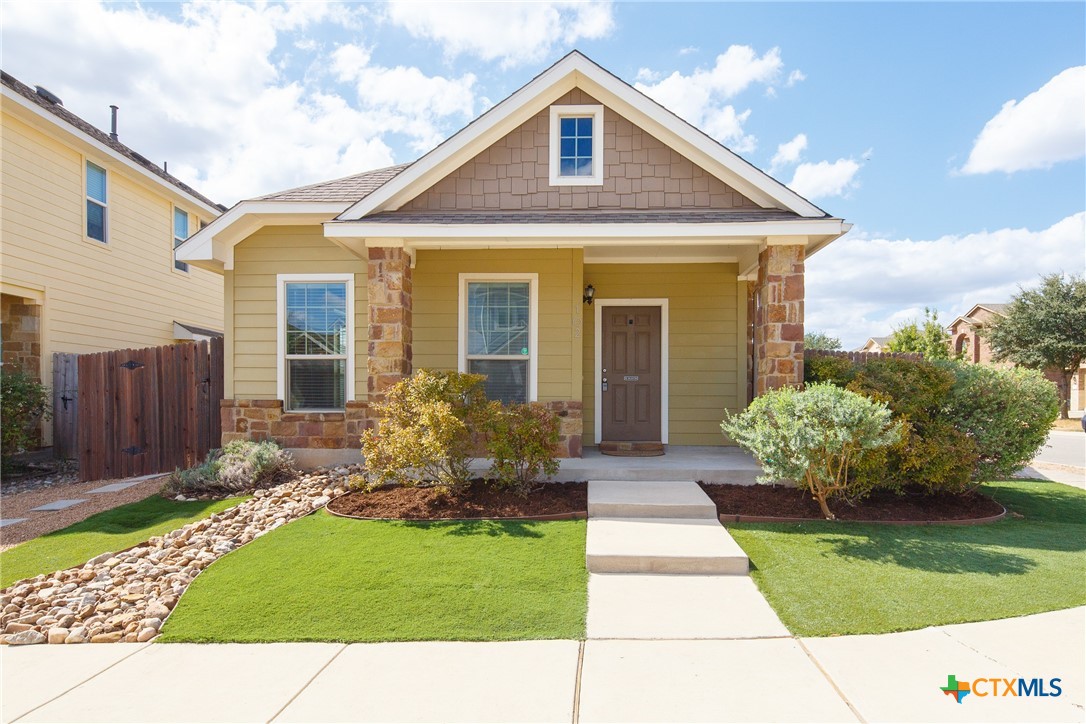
(576, 153)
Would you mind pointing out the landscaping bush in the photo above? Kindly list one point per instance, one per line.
(838, 370)
(424, 433)
(522, 442)
(24, 402)
(1006, 412)
(813, 436)
(238, 466)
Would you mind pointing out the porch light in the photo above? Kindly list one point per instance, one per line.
(589, 293)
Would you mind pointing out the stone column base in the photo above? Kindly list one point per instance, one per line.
(571, 414)
(259, 420)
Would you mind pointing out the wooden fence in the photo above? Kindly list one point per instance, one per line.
(148, 410)
(65, 406)
(861, 357)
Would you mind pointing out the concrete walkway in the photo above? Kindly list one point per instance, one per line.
(891, 677)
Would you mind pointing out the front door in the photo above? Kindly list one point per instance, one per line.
(630, 361)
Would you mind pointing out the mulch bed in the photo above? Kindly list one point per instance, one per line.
(786, 502)
(479, 501)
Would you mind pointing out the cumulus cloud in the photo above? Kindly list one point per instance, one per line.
(699, 96)
(512, 33)
(825, 178)
(788, 152)
(796, 76)
(1044, 128)
(208, 93)
(860, 286)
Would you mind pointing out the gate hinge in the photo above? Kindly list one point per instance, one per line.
(132, 364)
(133, 450)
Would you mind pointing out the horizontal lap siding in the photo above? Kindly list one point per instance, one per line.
(435, 310)
(703, 335)
(251, 368)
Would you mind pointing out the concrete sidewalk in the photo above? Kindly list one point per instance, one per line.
(849, 678)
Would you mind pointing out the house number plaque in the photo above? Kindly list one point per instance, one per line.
(631, 378)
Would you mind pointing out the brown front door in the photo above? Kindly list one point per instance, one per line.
(630, 374)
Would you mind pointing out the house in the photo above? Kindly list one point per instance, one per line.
(578, 243)
(874, 344)
(89, 230)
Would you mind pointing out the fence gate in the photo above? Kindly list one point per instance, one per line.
(148, 410)
(65, 402)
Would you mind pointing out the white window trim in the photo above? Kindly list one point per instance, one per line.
(87, 197)
(281, 281)
(665, 354)
(173, 238)
(557, 113)
(533, 322)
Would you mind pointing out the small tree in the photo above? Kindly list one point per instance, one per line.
(821, 340)
(24, 402)
(522, 441)
(813, 436)
(922, 336)
(1045, 327)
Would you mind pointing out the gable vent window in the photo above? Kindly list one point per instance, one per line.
(576, 145)
(180, 233)
(96, 202)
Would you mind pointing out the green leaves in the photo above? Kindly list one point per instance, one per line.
(925, 336)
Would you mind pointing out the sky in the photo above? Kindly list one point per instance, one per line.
(952, 136)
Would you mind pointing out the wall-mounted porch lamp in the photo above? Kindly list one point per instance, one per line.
(589, 293)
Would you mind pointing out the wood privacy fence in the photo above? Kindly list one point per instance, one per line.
(65, 406)
(861, 357)
(148, 410)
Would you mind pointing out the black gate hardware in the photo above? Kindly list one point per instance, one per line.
(134, 450)
(132, 364)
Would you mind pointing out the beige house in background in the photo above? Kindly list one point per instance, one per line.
(578, 243)
(88, 229)
(874, 344)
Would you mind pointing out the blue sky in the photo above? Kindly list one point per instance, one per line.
(890, 115)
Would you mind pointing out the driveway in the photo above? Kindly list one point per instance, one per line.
(1064, 448)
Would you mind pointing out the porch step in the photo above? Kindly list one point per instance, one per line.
(662, 545)
(632, 449)
(648, 499)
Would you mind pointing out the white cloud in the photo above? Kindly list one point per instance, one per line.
(796, 76)
(789, 152)
(513, 33)
(689, 50)
(645, 75)
(699, 97)
(1046, 127)
(860, 287)
(822, 179)
(208, 91)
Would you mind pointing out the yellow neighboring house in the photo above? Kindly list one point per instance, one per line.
(87, 235)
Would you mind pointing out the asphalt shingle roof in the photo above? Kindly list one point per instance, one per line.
(348, 189)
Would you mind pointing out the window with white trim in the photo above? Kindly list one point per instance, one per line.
(315, 341)
(180, 233)
(576, 145)
(498, 334)
(96, 202)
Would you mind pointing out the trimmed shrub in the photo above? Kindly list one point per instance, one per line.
(1006, 412)
(424, 434)
(837, 370)
(239, 466)
(24, 402)
(813, 436)
(522, 442)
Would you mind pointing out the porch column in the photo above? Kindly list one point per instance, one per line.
(778, 318)
(389, 307)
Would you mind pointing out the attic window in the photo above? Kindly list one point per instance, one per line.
(576, 145)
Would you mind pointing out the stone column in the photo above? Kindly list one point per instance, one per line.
(389, 308)
(778, 318)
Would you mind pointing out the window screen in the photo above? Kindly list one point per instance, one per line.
(316, 345)
(96, 202)
(497, 343)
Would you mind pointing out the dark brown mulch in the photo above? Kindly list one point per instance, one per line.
(479, 501)
(786, 502)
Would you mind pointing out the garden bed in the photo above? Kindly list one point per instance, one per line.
(549, 500)
(767, 503)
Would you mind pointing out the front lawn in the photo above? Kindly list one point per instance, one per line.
(324, 578)
(826, 579)
(111, 530)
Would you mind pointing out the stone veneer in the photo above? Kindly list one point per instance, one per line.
(20, 328)
(571, 414)
(778, 318)
(389, 307)
(266, 420)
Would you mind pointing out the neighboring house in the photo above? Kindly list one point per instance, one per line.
(874, 344)
(88, 234)
(578, 243)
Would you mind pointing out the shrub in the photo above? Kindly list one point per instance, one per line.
(837, 370)
(24, 402)
(1006, 412)
(240, 465)
(522, 441)
(424, 434)
(813, 436)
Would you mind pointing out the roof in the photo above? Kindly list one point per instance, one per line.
(191, 331)
(347, 189)
(71, 119)
(663, 216)
(997, 308)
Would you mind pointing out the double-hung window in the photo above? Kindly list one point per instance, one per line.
(96, 202)
(576, 145)
(498, 333)
(180, 233)
(315, 341)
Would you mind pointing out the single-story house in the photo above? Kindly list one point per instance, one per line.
(874, 344)
(578, 243)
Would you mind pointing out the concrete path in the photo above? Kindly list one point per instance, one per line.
(1064, 447)
(890, 677)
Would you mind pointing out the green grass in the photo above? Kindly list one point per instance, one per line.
(324, 578)
(111, 530)
(826, 579)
